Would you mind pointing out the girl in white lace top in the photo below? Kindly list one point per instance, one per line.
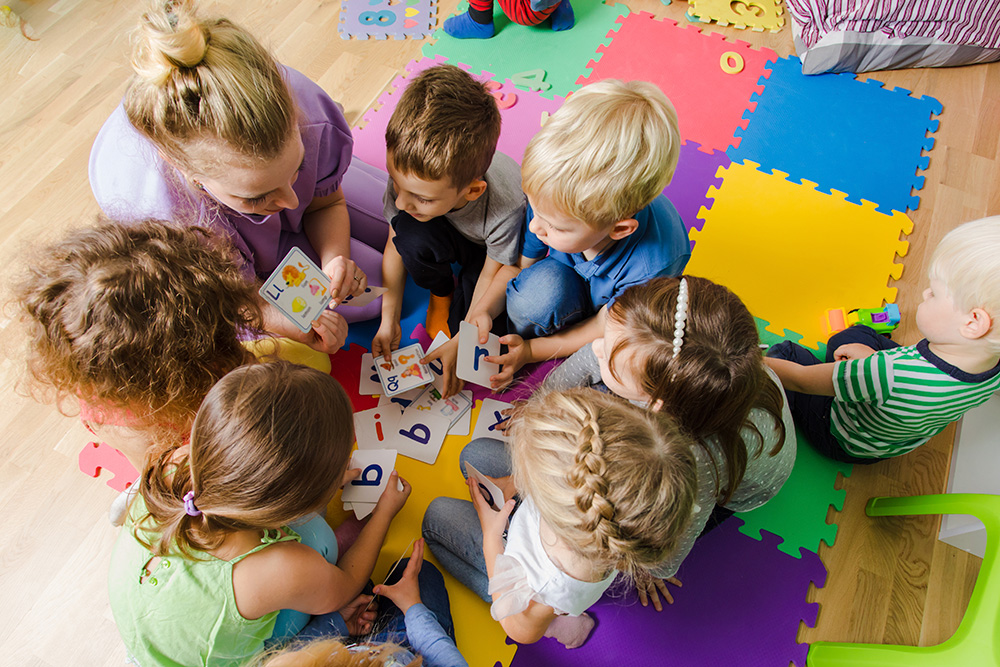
(606, 487)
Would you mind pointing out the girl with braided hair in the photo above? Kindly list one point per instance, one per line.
(689, 347)
(605, 487)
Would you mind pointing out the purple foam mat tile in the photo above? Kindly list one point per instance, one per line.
(696, 172)
(741, 604)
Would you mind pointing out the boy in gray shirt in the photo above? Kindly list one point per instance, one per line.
(450, 199)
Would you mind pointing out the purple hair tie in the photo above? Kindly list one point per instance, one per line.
(189, 504)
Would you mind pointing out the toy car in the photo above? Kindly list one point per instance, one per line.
(882, 320)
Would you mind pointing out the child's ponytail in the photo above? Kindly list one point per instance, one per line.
(167, 526)
(617, 483)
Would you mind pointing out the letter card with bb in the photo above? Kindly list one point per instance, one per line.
(404, 371)
(298, 288)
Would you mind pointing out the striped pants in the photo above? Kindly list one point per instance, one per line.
(518, 11)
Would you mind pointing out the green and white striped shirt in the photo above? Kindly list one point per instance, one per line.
(896, 400)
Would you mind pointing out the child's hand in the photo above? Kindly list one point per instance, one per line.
(514, 411)
(345, 278)
(448, 354)
(850, 351)
(392, 499)
(494, 522)
(406, 592)
(359, 614)
(484, 323)
(647, 588)
(386, 339)
(329, 331)
(350, 475)
(518, 354)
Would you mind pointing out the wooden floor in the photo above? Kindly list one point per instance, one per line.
(889, 581)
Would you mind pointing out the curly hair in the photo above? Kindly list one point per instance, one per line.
(141, 319)
(616, 483)
(718, 376)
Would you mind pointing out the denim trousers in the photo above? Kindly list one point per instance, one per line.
(547, 297)
(451, 526)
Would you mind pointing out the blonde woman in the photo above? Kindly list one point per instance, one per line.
(213, 130)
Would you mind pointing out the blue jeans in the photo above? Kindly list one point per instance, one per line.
(547, 297)
(812, 413)
(451, 526)
(390, 624)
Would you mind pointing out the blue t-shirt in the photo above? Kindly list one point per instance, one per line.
(658, 247)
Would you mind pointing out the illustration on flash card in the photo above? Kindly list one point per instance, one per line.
(298, 288)
(431, 400)
(405, 371)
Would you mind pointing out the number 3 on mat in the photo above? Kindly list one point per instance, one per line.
(382, 18)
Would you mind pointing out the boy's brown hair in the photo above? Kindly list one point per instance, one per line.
(446, 125)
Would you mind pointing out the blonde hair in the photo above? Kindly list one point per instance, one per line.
(605, 154)
(328, 653)
(446, 125)
(143, 318)
(269, 444)
(967, 262)
(205, 79)
(616, 483)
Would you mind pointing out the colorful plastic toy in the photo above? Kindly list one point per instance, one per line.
(883, 320)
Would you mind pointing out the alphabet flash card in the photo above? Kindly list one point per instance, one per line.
(369, 384)
(491, 418)
(419, 434)
(405, 371)
(371, 293)
(472, 366)
(464, 424)
(374, 427)
(431, 400)
(490, 491)
(376, 465)
(298, 288)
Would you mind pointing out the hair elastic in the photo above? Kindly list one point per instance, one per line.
(680, 316)
(189, 504)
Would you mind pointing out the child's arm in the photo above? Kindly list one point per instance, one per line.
(394, 280)
(556, 346)
(529, 625)
(293, 576)
(816, 379)
(327, 225)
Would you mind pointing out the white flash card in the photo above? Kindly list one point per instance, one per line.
(369, 384)
(436, 366)
(420, 434)
(401, 401)
(491, 419)
(374, 427)
(405, 371)
(490, 491)
(471, 364)
(432, 400)
(371, 293)
(298, 288)
(464, 423)
(376, 465)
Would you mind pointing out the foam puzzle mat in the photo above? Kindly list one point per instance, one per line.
(758, 15)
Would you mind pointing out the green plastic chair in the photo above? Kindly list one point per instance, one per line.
(977, 639)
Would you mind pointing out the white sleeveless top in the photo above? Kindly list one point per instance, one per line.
(524, 572)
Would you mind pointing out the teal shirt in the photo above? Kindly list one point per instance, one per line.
(184, 613)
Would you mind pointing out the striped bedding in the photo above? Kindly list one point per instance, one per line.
(853, 36)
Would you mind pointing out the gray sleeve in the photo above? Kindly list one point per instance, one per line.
(581, 369)
(506, 210)
(704, 505)
(389, 202)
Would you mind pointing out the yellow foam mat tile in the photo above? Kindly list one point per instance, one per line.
(758, 15)
(480, 639)
(791, 252)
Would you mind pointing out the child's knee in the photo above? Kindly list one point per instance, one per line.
(546, 297)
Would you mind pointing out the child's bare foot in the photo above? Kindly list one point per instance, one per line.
(464, 26)
(571, 631)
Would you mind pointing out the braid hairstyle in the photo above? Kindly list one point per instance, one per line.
(715, 380)
(270, 443)
(142, 318)
(200, 80)
(616, 483)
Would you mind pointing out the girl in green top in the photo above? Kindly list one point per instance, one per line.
(206, 559)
